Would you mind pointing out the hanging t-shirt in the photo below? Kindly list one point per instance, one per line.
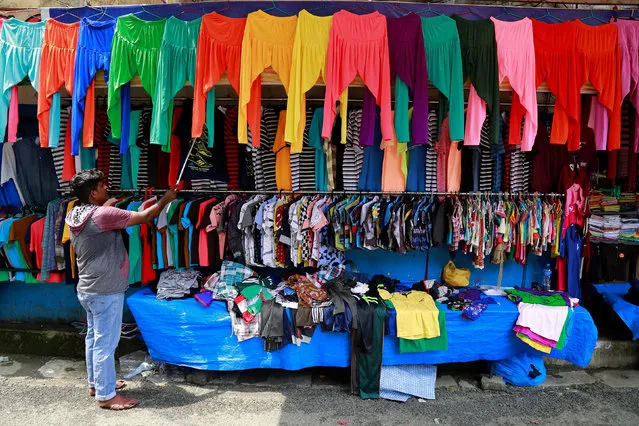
(353, 152)
(204, 162)
(486, 158)
(303, 163)
(35, 246)
(266, 154)
(35, 171)
(431, 153)
(371, 176)
(571, 247)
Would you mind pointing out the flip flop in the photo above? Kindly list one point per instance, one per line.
(119, 385)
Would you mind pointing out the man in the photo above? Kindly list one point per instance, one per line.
(103, 270)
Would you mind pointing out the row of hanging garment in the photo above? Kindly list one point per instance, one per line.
(222, 163)
(314, 231)
(504, 229)
(21, 247)
(407, 48)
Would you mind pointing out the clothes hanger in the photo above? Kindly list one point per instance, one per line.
(549, 14)
(102, 11)
(34, 16)
(320, 7)
(507, 12)
(398, 8)
(186, 7)
(275, 7)
(469, 11)
(358, 7)
(426, 10)
(143, 9)
(593, 16)
(229, 8)
(66, 12)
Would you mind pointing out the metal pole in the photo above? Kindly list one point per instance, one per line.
(186, 160)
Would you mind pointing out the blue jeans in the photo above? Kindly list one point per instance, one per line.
(104, 325)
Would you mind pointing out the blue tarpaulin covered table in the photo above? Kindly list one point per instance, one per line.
(183, 332)
(613, 295)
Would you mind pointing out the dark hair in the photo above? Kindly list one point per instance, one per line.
(86, 181)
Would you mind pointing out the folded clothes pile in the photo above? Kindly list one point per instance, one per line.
(544, 317)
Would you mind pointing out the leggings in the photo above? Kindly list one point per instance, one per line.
(599, 62)
(516, 56)
(479, 60)
(309, 63)
(135, 49)
(629, 50)
(444, 61)
(176, 64)
(20, 51)
(408, 66)
(268, 41)
(556, 64)
(13, 111)
(56, 70)
(358, 45)
(219, 50)
(93, 53)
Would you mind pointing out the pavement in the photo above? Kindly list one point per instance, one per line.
(42, 390)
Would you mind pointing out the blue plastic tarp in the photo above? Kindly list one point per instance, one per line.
(613, 295)
(183, 332)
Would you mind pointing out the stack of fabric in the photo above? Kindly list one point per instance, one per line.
(596, 227)
(629, 229)
(609, 204)
(544, 317)
(628, 202)
(605, 228)
(612, 228)
(595, 200)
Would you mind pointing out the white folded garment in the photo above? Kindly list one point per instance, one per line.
(545, 321)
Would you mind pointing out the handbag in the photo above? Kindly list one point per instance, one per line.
(454, 276)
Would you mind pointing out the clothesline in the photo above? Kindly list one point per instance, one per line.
(340, 192)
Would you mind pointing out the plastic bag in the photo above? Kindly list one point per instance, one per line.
(457, 277)
(521, 370)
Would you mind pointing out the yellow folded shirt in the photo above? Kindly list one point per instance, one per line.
(417, 314)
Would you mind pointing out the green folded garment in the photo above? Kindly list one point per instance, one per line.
(425, 345)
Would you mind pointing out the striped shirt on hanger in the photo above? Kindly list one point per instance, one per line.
(303, 163)
(431, 154)
(486, 159)
(58, 153)
(353, 152)
(268, 131)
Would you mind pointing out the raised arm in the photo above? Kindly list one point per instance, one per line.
(154, 211)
